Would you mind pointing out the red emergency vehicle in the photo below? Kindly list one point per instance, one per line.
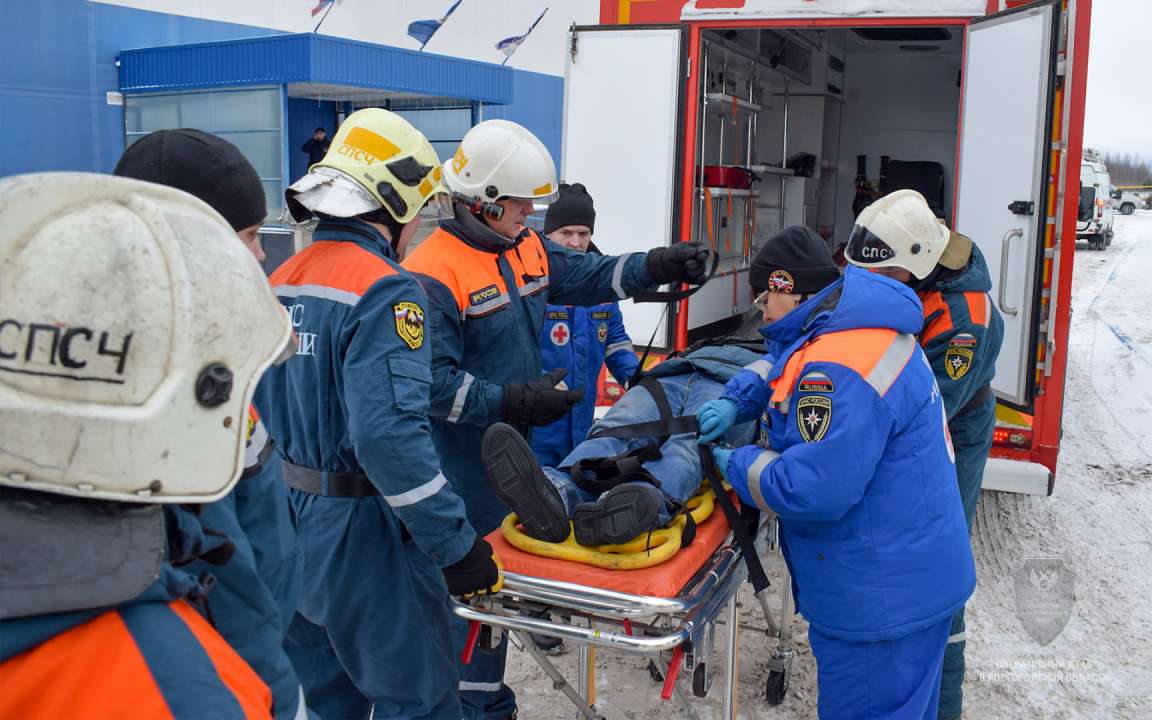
(978, 104)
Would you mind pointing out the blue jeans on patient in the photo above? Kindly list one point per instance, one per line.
(678, 470)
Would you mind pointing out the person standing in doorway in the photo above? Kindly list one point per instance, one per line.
(317, 146)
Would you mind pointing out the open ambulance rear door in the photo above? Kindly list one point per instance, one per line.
(624, 96)
(1003, 194)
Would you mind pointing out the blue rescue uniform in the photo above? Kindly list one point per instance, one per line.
(961, 337)
(256, 591)
(350, 411)
(486, 308)
(582, 340)
(861, 473)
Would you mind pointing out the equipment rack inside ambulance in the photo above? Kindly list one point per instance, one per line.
(729, 120)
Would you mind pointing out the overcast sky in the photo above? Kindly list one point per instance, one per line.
(1118, 117)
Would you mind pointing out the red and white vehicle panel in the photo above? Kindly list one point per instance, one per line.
(984, 98)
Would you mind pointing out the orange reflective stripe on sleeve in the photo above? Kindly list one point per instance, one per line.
(93, 671)
(978, 307)
(934, 303)
(253, 695)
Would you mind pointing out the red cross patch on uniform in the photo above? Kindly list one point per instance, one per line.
(560, 334)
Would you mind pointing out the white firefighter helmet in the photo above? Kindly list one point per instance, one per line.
(134, 326)
(499, 159)
(377, 159)
(898, 230)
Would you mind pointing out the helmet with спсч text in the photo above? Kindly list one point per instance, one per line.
(898, 230)
(134, 327)
(376, 160)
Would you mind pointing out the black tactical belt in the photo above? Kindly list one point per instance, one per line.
(978, 399)
(341, 485)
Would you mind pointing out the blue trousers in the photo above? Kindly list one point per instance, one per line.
(371, 634)
(678, 470)
(896, 679)
(971, 439)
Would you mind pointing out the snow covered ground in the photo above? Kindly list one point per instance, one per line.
(1099, 520)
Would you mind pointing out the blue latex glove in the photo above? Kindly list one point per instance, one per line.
(721, 456)
(716, 417)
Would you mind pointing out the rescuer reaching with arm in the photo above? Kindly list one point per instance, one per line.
(381, 529)
(130, 393)
(860, 470)
(488, 282)
(961, 337)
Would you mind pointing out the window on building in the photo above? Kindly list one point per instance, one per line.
(249, 118)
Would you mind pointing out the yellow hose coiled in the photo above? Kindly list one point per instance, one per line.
(642, 551)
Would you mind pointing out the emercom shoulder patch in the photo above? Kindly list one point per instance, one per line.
(813, 417)
(410, 323)
(814, 381)
(958, 359)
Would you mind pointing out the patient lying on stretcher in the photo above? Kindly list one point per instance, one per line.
(614, 489)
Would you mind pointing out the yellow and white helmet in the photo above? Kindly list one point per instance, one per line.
(134, 326)
(499, 159)
(377, 160)
(898, 230)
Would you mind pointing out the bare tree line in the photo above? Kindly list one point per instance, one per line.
(1128, 169)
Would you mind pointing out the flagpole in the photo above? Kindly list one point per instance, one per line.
(330, 6)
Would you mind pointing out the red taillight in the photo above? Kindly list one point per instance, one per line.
(1012, 437)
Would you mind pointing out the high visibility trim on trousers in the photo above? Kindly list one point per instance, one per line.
(459, 400)
(763, 460)
(958, 637)
(480, 686)
(417, 494)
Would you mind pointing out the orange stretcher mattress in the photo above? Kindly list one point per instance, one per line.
(664, 580)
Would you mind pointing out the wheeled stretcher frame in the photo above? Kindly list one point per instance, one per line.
(642, 625)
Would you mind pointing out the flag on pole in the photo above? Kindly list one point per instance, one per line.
(509, 45)
(423, 30)
(323, 4)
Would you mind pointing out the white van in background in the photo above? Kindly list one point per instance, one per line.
(1094, 219)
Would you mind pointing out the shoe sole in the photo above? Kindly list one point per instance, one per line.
(516, 478)
(624, 513)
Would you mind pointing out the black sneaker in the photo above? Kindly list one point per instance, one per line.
(516, 478)
(623, 513)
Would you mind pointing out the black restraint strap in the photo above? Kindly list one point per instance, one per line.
(341, 485)
(739, 524)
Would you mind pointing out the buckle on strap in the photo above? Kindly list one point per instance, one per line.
(328, 484)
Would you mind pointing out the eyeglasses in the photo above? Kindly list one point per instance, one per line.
(760, 303)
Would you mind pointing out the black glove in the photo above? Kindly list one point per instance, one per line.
(538, 402)
(684, 262)
(476, 572)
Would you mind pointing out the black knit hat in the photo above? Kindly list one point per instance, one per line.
(795, 261)
(573, 207)
(203, 165)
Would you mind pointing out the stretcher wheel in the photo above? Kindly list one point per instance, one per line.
(777, 687)
(655, 673)
(699, 675)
